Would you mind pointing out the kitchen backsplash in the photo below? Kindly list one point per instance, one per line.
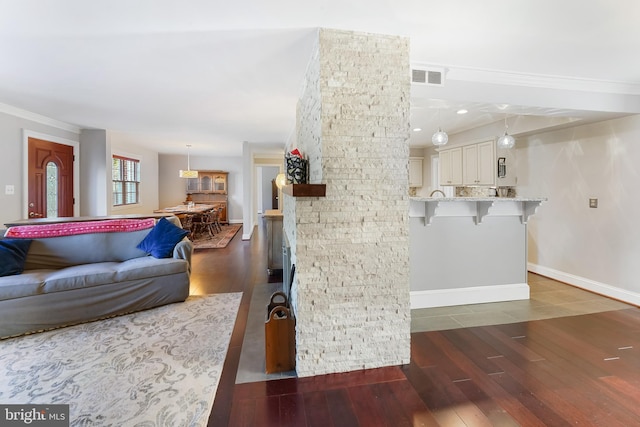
(485, 191)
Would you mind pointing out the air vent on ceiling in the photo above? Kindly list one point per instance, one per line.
(428, 77)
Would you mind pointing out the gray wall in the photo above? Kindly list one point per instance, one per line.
(13, 170)
(455, 252)
(95, 155)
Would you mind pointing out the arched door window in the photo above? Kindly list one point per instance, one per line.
(52, 190)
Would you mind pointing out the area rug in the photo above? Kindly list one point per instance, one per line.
(159, 367)
(219, 240)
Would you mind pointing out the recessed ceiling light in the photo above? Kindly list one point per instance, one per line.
(462, 111)
(417, 129)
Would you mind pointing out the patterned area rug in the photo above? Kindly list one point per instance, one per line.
(159, 367)
(219, 240)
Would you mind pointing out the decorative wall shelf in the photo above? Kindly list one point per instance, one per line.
(305, 190)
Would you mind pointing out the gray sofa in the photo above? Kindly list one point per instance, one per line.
(78, 278)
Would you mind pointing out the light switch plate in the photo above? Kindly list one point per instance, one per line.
(9, 189)
(593, 203)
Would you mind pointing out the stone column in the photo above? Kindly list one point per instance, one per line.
(351, 248)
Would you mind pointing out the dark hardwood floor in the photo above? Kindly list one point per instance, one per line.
(579, 370)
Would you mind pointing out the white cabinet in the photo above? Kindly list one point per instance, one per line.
(478, 162)
(415, 172)
(451, 166)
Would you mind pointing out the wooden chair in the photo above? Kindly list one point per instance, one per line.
(187, 224)
(216, 218)
(208, 223)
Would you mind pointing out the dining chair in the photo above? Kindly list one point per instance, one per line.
(208, 223)
(187, 224)
(215, 212)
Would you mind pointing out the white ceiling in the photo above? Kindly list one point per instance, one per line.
(166, 73)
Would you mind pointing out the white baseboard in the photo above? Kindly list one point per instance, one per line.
(247, 236)
(472, 295)
(587, 284)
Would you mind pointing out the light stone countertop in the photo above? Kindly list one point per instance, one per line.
(477, 207)
(478, 199)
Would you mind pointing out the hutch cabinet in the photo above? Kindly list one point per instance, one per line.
(211, 188)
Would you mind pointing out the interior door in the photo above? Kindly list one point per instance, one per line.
(50, 178)
(274, 195)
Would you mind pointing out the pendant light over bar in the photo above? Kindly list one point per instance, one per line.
(440, 137)
(506, 140)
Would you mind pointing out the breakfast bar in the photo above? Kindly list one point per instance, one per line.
(468, 250)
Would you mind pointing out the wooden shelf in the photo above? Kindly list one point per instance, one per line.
(305, 190)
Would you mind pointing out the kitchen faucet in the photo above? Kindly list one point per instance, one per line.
(437, 191)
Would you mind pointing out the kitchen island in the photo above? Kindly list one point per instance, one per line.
(468, 250)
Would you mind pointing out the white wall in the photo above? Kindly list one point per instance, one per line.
(266, 174)
(425, 153)
(172, 190)
(252, 155)
(598, 248)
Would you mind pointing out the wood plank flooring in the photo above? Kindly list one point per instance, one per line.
(577, 370)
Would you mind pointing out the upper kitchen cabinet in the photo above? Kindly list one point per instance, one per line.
(451, 166)
(208, 182)
(479, 164)
(415, 171)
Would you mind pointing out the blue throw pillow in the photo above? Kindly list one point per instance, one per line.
(13, 253)
(162, 238)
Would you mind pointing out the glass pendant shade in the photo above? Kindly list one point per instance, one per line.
(188, 174)
(440, 138)
(281, 180)
(506, 141)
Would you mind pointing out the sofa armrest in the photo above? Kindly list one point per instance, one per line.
(183, 250)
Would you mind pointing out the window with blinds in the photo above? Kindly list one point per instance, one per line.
(126, 181)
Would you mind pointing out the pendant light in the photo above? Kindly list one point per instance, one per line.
(439, 138)
(506, 140)
(281, 180)
(188, 173)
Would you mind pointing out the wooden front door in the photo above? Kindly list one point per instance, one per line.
(50, 179)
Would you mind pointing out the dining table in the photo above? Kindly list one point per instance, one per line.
(191, 216)
(197, 208)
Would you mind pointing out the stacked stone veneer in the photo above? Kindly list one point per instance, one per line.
(351, 248)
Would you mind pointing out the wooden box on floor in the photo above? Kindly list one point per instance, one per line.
(279, 337)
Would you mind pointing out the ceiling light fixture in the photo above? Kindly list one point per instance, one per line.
(188, 173)
(440, 137)
(417, 129)
(506, 140)
(462, 111)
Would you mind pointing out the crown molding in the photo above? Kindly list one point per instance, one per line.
(482, 75)
(34, 117)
